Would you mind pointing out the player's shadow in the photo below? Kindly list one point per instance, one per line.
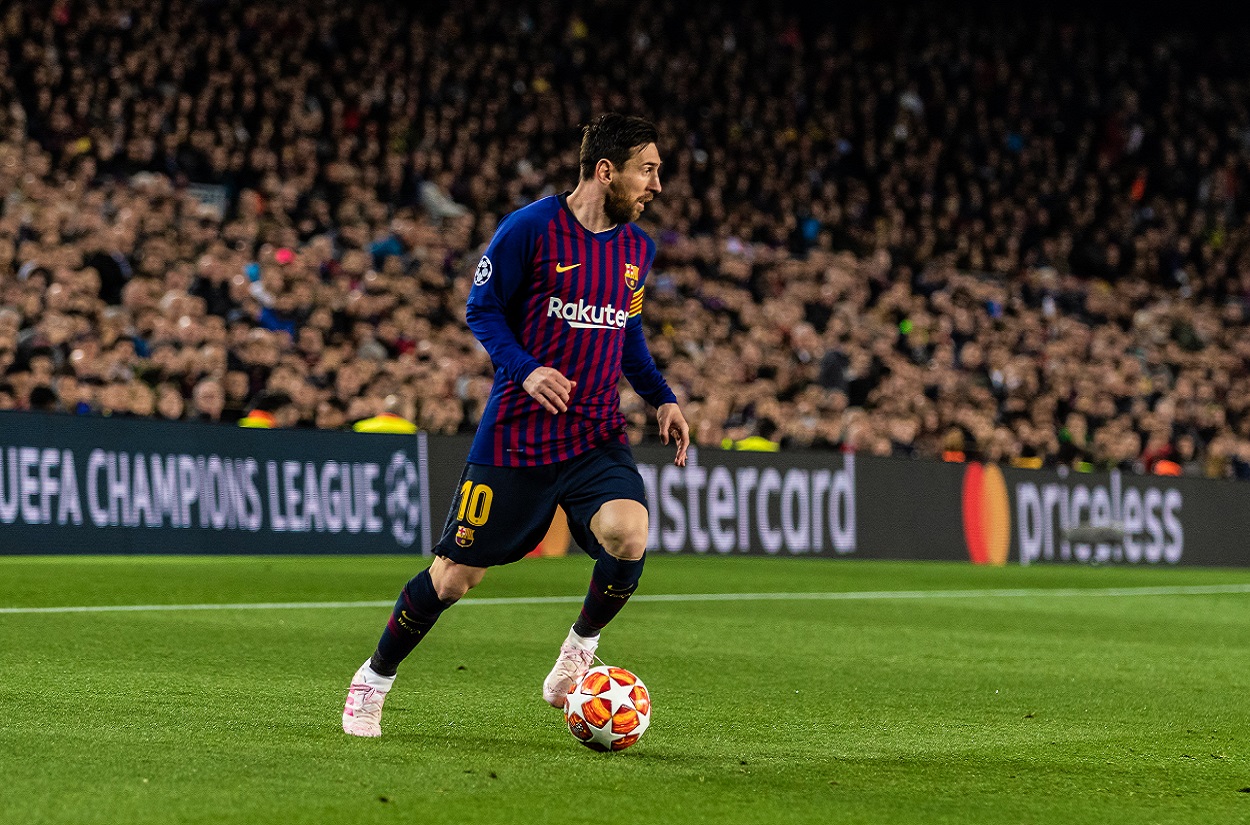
(554, 740)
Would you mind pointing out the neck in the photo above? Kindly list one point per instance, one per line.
(586, 204)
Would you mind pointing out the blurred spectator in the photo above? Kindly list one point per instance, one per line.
(142, 399)
(115, 399)
(331, 415)
(170, 405)
(907, 230)
(208, 400)
(43, 399)
(75, 396)
(237, 389)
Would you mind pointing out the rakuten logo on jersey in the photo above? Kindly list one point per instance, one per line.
(582, 315)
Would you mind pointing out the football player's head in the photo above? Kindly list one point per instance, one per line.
(619, 152)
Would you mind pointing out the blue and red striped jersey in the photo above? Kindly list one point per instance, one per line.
(550, 293)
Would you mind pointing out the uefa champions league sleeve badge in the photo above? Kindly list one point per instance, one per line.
(483, 272)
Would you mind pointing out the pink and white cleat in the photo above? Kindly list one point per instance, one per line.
(576, 655)
(362, 714)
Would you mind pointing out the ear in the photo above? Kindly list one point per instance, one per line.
(604, 170)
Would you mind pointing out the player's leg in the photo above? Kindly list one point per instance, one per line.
(620, 527)
(496, 518)
(608, 517)
(420, 603)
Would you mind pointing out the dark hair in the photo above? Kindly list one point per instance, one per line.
(766, 427)
(615, 137)
(43, 398)
(270, 401)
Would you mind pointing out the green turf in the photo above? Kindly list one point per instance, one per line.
(1008, 709)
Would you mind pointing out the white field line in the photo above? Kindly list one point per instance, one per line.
(862, 595)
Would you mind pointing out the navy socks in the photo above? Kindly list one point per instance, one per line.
(416, 611)
(418, 608)
(611, 584)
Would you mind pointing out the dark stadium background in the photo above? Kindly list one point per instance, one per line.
(979, 272)
(941, 230)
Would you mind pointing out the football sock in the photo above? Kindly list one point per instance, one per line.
(416, 611)
(611, 584)
(574, 639)
(374, 679)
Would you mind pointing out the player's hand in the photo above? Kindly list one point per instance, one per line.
(673, 426)
(550, 388)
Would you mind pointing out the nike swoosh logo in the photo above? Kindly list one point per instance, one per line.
(563, 268)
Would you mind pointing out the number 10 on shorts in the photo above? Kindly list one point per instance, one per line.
(475, 500)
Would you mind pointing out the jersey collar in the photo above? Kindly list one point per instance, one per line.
(604, 236)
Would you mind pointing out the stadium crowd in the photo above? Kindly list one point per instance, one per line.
(914, 231)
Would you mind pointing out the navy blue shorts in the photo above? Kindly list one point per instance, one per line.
(499, 514)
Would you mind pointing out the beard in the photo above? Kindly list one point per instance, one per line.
(619, 206)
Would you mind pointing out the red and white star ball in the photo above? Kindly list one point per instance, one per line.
(609, 709)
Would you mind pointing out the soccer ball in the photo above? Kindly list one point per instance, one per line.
(609, 709)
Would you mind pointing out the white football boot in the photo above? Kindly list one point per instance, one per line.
(362, 714)
(576, 655)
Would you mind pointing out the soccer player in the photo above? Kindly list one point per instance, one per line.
(556, 301)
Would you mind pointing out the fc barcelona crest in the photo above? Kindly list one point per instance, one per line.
(464, 536)
(631, 276)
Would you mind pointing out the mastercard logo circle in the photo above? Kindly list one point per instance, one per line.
(987, 518)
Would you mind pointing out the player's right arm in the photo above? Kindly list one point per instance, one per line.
(504, 270)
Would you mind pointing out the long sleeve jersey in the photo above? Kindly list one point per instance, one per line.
(548, 292)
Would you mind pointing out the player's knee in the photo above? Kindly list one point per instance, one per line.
(628, 547)
(621, 528)
(452, 590)
(452, 581)
(622, 531)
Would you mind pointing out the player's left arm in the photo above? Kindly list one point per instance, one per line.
(673, 427)
(644, 376)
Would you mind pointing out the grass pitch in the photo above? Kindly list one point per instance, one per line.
(931, 694)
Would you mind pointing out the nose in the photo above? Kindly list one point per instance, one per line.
(653, 185)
